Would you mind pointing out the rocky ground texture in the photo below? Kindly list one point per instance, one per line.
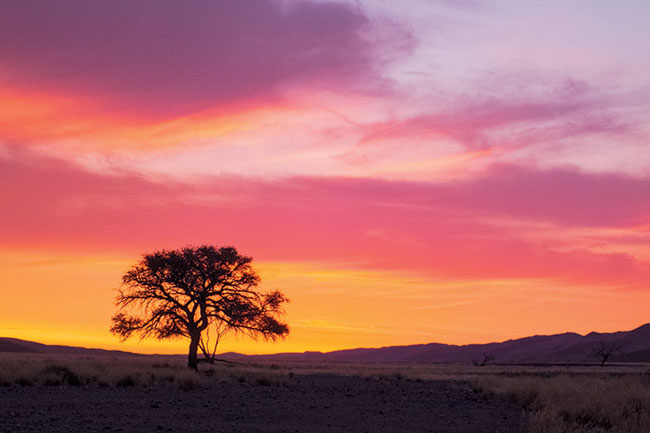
(309, 403)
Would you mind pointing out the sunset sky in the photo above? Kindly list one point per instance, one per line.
(406, 172)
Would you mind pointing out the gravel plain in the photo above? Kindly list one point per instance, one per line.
(302, 403)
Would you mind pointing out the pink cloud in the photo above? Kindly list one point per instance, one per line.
(440, 229)
(569, 109)
(168, 57)
(562, 196)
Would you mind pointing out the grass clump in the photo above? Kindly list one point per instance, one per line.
(188, 380)
(18, 369)
(24, 381)
(263, 381)
(57, 375)
(126, 381)
(565, 404)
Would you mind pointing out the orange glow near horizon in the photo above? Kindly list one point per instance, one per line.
(69, 300)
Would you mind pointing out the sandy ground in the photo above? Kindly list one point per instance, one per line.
(313, 403)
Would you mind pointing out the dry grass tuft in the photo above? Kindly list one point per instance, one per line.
(125, 372)
(566, 404)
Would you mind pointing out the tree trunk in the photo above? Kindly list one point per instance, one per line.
(192, 361)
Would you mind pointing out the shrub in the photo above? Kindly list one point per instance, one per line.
(188, 380)
(24, 381)
(55, 375)
(126, 381)
(565, 404)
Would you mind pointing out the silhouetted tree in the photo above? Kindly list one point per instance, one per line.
(199, 293)
(604, 350)
(486, 359)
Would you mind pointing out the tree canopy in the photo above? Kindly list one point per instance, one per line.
(199, 293)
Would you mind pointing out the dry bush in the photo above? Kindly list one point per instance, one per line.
(573, 404)
(67, 370)
(20, 369)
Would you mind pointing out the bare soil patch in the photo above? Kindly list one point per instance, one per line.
(298, 403)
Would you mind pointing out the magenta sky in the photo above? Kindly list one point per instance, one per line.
(455, 171)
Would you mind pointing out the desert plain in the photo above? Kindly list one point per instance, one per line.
(76, 393)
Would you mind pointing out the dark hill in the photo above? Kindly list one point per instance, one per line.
(22, 346)
(633, 346)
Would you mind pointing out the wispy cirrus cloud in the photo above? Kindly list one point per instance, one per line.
(569, 122)
(471, 123)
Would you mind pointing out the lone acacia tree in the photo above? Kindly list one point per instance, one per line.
(200, 293)
(604, 350)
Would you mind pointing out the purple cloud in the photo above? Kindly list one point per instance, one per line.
(166, 57)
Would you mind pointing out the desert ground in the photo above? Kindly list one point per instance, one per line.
(111, 394)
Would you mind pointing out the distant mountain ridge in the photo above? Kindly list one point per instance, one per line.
(22, 346)
(633, 346)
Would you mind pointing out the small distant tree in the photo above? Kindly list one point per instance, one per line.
(199, 293)
(604, 350)
(486, 359)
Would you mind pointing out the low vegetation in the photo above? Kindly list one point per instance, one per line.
(125, 372)
(568, 403)
(554, 399)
